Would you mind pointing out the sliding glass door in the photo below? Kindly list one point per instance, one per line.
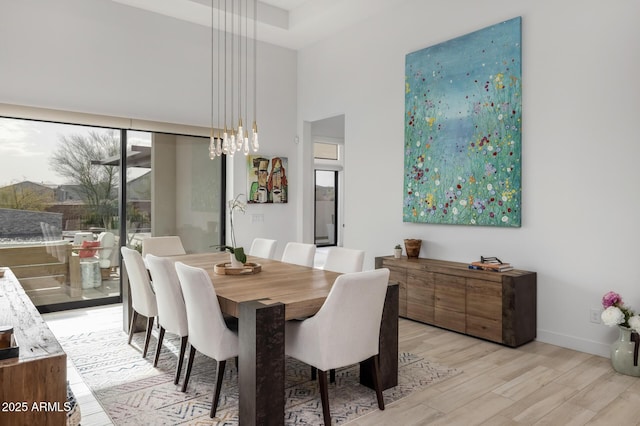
(59, 211)
(187, 190)
(65, 209)
(137, 194)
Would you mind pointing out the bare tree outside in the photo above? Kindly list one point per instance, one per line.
(77, 159)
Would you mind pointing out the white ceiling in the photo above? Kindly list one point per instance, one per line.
(288, 23)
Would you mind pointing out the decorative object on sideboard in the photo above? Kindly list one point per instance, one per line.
(397, 251)
(12, 350)
(624, 351)
(491, 263)
(412, 247)
(6, 335)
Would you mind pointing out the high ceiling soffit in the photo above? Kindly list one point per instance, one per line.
(293, 24)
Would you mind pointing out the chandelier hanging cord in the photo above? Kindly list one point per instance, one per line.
(219, 139)
(245, 135)
(232, 135)
(231, 140)
(239, 135)
(212, 140)
(254, 129)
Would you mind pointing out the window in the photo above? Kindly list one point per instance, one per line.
(60, 206)
(56, 200)
(325, 151)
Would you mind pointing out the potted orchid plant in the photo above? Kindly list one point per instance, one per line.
(238, 256)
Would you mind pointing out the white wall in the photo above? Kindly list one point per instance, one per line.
(581, 63)
(102, 57)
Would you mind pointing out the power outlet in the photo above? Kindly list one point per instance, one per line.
(594, 316)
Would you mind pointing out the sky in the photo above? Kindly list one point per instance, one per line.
(26, 146)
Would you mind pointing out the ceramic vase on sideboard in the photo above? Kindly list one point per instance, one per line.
(624, 353)
(412, 247)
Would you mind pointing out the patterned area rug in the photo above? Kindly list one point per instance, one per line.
(133, 392)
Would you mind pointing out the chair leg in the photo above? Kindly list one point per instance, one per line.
(183, 348)
(148, 338)
(324, 396)
(159, 346)
(376, 381)
(192, 353)
(216, 395)
(133, 321)
(332, 374)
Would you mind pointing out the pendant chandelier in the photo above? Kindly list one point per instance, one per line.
(236, 43)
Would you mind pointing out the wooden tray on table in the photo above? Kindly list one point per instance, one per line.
(248, 269)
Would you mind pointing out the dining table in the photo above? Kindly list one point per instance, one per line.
(263, 297)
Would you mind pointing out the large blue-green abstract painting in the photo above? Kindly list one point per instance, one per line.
(463, 130)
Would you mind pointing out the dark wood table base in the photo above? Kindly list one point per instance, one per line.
(388, 344)
(261, 363)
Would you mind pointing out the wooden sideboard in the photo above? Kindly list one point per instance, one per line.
(33, 386)
(496, 306)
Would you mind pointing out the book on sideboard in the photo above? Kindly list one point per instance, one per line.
(491, 266)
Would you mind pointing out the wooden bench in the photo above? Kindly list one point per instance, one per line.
(33, 387)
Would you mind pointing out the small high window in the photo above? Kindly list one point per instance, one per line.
(325, 151)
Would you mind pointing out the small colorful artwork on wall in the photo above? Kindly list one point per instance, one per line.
(266, 179)
(463, 121)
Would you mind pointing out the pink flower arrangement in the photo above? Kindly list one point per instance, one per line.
(616, 313)
(611, 299)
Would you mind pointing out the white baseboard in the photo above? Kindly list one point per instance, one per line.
(571, 342)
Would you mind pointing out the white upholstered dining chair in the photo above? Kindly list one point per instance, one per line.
(340, 259)
(345, 331)
(264, 248)
(143, 299)
(172, 314)
(208, 332)
(163, 246)
(299, 254)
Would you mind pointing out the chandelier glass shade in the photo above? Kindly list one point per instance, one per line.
(233, 77)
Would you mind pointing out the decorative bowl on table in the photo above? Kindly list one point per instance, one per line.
(228, 269)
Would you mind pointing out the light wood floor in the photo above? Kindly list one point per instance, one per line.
(536, 384)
